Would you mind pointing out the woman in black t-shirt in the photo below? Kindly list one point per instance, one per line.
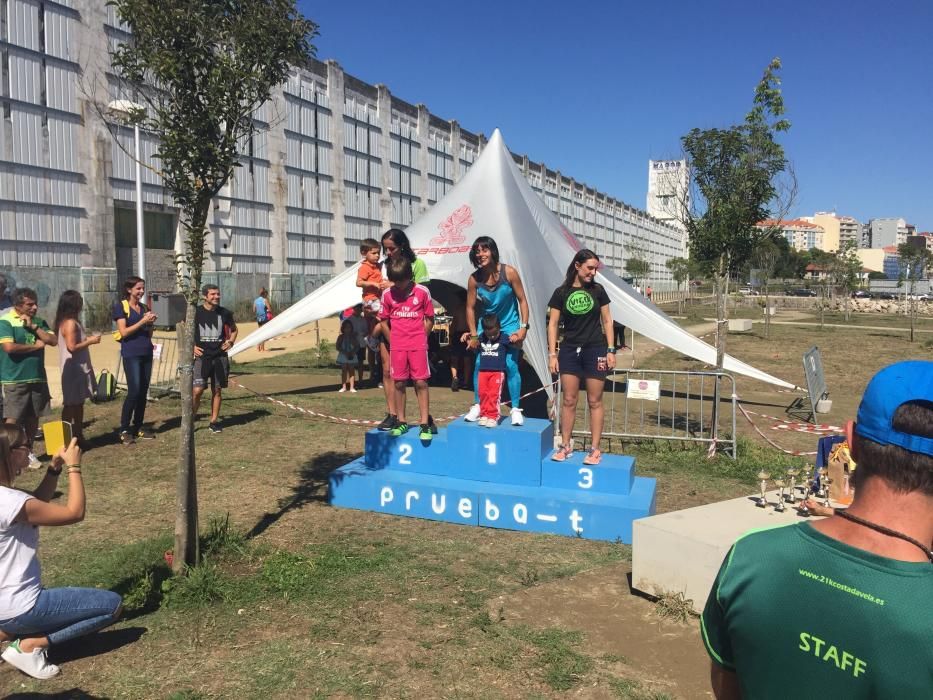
(586, 351)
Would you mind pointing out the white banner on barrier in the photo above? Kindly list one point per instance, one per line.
(647, 389)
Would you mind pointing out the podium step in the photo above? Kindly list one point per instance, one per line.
(563, 511)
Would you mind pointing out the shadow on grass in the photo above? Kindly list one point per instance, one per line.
(225, 421)
(95, 644)
(312, 487)
(70, 694)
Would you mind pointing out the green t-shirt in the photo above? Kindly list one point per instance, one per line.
(420, 271)
(21, 367)
(794, 612)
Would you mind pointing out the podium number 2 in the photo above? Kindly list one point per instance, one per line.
(490, 452)
(405, 456)
(586, 478)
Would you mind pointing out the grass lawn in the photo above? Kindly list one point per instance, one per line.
(296, 599)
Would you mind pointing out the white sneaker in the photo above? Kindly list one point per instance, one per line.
(518, 417)
(35, 663)
(353, 391)
(341, 390)
(473, 414)
(482, 422)
(492, 422)
(34, 462)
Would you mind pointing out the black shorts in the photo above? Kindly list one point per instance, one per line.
(215, 369)
(587, 362)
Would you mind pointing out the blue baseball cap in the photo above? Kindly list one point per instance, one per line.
(886, 392)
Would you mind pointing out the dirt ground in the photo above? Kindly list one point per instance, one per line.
(668, 656)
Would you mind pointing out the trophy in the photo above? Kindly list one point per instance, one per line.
(807, 490)
(822, 473)
(779, 507)
(827, 481)
(763, 477)
(792, 493)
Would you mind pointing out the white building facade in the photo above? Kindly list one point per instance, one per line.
(336, 160)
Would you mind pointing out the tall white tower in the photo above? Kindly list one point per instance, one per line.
(668, 190)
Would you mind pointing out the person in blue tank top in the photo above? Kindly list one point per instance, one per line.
(496, 288)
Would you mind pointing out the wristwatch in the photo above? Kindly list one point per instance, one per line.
(526, 326)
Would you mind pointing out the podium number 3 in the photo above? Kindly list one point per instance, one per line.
(405, 456)
(490, 452)
(586, 478)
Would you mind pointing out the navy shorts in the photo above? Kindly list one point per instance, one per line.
(587, 362)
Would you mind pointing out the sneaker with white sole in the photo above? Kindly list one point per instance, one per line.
(34, 462)
(34, 663)
(473, 414)
(518, 418)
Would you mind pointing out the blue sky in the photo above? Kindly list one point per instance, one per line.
(595, 89)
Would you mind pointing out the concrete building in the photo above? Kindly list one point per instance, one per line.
(872, 258)
(838, 231)
(668, 190)
(336, 160)
(800, 234)
(880, 233)
(850, 231)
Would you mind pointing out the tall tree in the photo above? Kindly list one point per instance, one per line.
(914, 263)
(201, 68)
(735, 174)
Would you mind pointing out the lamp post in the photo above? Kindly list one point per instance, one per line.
(132, 112)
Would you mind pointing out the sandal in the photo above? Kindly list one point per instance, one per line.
(594, 456)
(562, 453)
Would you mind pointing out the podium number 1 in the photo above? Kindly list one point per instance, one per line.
(490, 452)
(405, 456)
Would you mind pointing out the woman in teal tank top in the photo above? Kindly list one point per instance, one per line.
(496, 289)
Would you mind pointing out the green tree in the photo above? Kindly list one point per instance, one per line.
(844, 271)
(201, 69)
(765, 259)
(637, 267)
(735, 172)
(914, 263)
(680, 270)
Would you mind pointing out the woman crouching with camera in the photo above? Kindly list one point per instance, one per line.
(32, 617)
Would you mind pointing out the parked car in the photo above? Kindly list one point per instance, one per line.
(748, 291)
(920, 297)
(861, 294)
(801, 292)
(884, 295)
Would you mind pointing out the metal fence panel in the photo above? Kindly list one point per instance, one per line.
(164, 380)
(685, 411)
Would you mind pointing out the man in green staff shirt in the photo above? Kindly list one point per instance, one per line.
(23, 337)
(841, 608)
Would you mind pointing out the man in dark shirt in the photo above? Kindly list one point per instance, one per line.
(215, 332)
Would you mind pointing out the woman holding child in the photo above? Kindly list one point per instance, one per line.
(586, 352)
(496, 288)
(395, 245)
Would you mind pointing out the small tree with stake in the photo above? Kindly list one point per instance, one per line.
(680, 271)
(202, 68)
(914, 263)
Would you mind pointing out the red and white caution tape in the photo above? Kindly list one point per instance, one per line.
(769, 440)
(351, 421)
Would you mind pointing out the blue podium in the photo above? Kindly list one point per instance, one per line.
(500, 477)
